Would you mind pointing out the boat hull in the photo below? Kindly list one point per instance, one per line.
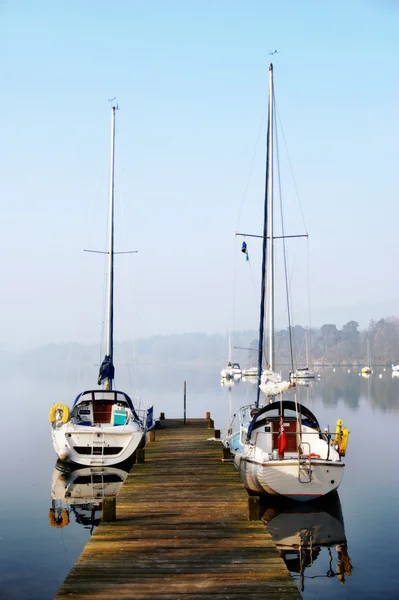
(98, 445)
(305, 375)
(284, 478)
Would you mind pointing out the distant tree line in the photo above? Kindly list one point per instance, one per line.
(329, 345)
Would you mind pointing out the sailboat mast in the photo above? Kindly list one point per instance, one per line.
(307, 349)
(264, 261)
(270, 224)
(110, 321)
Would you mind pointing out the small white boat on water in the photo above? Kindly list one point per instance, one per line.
(395, 368)
(252, 372)
(367, 368)
(233, 370)
(103, 427)
(304, 372)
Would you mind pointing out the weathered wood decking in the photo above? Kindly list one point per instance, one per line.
(182, 531)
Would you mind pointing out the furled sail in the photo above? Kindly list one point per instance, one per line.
(107, 370)
(272, 384)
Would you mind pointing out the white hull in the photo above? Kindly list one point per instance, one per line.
(253, 372)
(283, 452)
(282, 477)
(230, 373)
(303, 374)
(395, 368)
(97, 441)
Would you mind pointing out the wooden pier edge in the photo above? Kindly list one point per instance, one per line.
(183, 529)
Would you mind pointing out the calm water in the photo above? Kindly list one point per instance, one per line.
(354, 551)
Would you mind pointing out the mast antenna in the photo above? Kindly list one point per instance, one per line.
(113, 103)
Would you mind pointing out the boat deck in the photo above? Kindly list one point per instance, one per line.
(181, 531)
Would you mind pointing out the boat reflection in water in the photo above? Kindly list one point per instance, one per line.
(79, 492)
(306, 532)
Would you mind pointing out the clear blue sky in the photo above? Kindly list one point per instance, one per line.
(191, 81)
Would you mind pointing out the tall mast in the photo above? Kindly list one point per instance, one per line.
(307, 349)
(264, 260)
(110, 321)
(270, 223)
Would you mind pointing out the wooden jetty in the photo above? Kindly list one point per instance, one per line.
(182, 530)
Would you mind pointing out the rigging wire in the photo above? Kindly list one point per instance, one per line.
(292, 171)
(251, 169)
(130, 294)
(237, 226)
(89, 215)
(234, 295)
(284, 250)
(306, 230)
(309, 301)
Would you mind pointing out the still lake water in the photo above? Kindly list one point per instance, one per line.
(359, 531)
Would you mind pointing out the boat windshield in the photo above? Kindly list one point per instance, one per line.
(105, 395)
(289, 409)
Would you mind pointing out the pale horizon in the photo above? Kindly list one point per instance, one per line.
(191, 83)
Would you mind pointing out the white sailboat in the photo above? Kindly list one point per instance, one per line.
(103, 427)
(233, 369)
(367, 368)
(282, 451)
(304, 372)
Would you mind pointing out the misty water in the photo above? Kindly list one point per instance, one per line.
(358, 530)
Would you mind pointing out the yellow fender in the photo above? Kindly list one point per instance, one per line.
(63, 409)
(340, 573)
(57, 520)
(344, 442)
(338, 430)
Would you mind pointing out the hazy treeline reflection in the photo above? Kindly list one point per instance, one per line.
(349, 388)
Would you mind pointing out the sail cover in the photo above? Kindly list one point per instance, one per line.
(107, 370)
(272, 384)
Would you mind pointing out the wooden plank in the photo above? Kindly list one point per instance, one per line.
(181, 531)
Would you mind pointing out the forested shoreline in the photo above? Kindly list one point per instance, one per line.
(329, 345)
